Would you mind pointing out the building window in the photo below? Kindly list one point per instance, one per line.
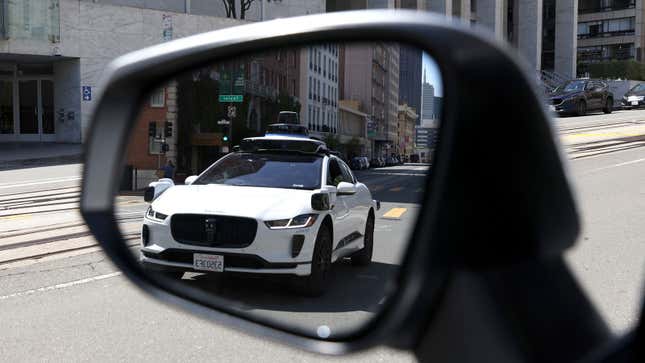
(310, 87)
(606, 28)
(158, 98)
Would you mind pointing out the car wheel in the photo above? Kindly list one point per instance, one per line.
(582, 108)
(364, 256)
(316, 283)
(608, 106)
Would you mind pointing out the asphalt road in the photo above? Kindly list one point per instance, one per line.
(69, 303)
(72, 278)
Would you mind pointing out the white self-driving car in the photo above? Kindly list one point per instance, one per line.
(277, 205)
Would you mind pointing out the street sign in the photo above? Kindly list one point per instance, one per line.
(223, 122)
(231, 98)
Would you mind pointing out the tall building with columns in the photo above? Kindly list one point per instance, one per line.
(545, 32)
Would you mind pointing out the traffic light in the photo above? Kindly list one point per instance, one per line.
(225, 133)
(152, 129)
(168, 129)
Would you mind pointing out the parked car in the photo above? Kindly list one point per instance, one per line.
(414, 158)
(578, 96)
(375, 163)
(635, 97)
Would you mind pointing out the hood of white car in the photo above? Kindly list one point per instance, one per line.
(260, 203)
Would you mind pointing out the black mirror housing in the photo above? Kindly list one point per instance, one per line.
(320, 201)
(472, 217)
(149, 194)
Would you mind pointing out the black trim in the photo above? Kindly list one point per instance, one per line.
(348, 239)
(231, 260)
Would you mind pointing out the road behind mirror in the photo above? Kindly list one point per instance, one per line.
(287, 181)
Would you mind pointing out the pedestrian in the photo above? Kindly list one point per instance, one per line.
(169, 170)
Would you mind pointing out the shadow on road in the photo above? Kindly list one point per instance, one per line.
(400, 184)
(350, 289)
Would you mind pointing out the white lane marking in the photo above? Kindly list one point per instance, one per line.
(4, 186)
(61, 286)
(617, 165)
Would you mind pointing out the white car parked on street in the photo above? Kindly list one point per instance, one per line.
(277, 205)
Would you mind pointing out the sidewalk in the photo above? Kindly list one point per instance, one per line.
(15, 155)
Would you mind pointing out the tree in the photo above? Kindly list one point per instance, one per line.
(231, 8)
(244, 6)
(332, 141)
(229, 5)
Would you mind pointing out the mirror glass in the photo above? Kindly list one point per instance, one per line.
(286, 182)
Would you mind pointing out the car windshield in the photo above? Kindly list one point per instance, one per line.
(638, 88)
(571, 86)
(265, 170)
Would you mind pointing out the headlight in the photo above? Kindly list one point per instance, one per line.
(301, 221)
(151, 214)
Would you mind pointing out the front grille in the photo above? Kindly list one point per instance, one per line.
(556, 101)
(230, 260)
(213, 230)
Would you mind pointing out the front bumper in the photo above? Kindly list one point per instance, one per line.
(271, 252)
(181, 260)
(630, 104)
(566, 106)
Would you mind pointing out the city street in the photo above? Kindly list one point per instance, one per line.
(57, 287)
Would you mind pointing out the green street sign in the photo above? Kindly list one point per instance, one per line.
(231, 98)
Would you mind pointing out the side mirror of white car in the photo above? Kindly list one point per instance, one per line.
(155, 189)
(190, 180)
(345, 188)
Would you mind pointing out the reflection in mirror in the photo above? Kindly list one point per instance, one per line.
(286, 182)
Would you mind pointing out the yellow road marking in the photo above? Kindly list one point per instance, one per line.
(17, 216)
(395, 213)
(397, 189)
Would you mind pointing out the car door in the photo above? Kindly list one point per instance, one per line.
(340, 210)
(595, 93)
(357, 211)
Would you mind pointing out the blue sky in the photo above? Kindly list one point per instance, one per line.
(431, 69)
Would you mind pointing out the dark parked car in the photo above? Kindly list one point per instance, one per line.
(578, 96)
(634, 97)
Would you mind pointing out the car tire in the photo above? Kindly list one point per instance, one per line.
(364, 256)
(608, 106)
(316, 283)
(581, 108)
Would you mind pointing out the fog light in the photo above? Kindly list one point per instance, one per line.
(145, 235)
(296, 244)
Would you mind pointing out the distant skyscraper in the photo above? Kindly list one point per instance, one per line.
(437, 107)
(410, 67)
(427, 100)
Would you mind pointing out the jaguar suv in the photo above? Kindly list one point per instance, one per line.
(278, 205)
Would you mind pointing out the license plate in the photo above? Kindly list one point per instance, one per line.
(634, 103)
(204, 262)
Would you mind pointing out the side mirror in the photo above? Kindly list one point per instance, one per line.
(155, 189)
(320, 201)
(149, 194)
(190, 180)
(345, 188)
